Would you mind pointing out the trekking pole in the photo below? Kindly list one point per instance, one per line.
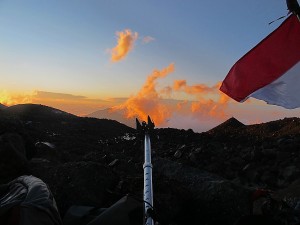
(145, 129)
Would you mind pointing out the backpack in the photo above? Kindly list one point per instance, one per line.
(27, 201)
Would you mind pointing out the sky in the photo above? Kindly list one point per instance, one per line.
(162, 58)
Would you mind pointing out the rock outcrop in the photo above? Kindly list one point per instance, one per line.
(201, 178)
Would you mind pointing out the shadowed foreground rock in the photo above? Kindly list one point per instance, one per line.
(209, 199)
(13, 161)
(77, 183)
(16, 148)
(199, 178)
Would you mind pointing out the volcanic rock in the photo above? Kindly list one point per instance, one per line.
(211, 199)
(16, 148)
(229, 124)
(198, 177)
(2, 106)
(77, 183)
(113, 163)
(13, 161)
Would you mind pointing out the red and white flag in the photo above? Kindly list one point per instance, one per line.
(271, 70)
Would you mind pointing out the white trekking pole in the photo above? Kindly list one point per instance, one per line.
(148, 188)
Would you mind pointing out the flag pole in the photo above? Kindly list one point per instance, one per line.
(293, 7)
(146, 128)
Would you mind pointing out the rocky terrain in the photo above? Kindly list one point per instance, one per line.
(199, 178)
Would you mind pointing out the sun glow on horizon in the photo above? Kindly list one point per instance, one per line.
(202, 111)
(9, 99)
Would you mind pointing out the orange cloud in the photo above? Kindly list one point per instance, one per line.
(209, 100)
(11, 99)
(167, 91)
(209, 108)
(182, 104)
(126, 40)
(181, 85)
(178, 84)
(78, 105)
(148, 101)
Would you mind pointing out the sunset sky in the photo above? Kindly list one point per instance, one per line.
(162, 58)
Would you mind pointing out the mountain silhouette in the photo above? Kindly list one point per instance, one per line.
(229, 124)
(117, 115)
(2, 106)
(57, 121)
(37, 112)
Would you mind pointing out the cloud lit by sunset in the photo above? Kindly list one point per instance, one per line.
(181, 85)
(208, 101)
(11, 99)
(206, 107)
(77, 105)
(148, 101)
(126, 40)
(78, 61)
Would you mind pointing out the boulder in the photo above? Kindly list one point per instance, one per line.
(13, 161)
(78, 183)
(210, 199)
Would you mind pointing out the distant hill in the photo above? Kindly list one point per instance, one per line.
(283, 127)
(44, 119)
(230, 124)
(234, 131)
(37, 112)
(113, 115)
(2, 106)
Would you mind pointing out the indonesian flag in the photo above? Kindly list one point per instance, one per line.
(271, 70)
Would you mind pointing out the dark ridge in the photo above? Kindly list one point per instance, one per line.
(44, 118)
(2, 106)
(114, 115)
(282, 127)
(37, 112)
(229, 124)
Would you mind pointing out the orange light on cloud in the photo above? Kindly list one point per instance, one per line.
(167, 91)
(178, 84)
(126, 40)
(182, 104)
(148, 101)
(204, 106)
(209, 108)
(181, 85)
(209, 101)
(78, 105)
(11, 99)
